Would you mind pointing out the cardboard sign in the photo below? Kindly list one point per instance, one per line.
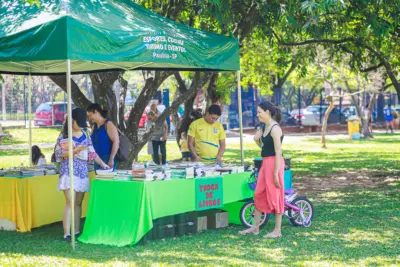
(209, 193)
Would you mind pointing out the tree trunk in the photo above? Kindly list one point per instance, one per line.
(122, 97)
(132, 128)
(329, 99)
(183, 125)
(212, 96)
(102, 84)
(364, 121)
(370, 108)
(132, 133)
(77, 96)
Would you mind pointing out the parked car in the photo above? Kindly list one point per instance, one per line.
(287, 119)
(45, 112)
(335, 114)
(305, 117)
(350, 111)
(142, 122)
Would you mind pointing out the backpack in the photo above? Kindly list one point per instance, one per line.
(124, 146)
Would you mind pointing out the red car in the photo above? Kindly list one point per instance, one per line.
(142, 121)
(45, 112)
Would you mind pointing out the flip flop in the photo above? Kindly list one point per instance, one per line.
(246, 232)
(270, 235)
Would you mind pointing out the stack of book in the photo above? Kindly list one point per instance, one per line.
(124, 176)
(105, 174)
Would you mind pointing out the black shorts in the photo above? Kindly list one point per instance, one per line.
(186, 155)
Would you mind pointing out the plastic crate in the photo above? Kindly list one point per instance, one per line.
(162, 228)
(186, 223)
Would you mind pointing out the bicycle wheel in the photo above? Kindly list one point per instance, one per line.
(308, 211)
(247, 215)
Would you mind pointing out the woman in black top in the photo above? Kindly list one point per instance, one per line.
(269, 194)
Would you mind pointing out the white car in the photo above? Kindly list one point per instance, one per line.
(308, 117)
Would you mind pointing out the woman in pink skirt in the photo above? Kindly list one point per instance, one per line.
(269, 194)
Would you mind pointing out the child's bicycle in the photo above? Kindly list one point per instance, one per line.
(299, 210)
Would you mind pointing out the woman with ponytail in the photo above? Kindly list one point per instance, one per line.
(269, 194)
(104, 136)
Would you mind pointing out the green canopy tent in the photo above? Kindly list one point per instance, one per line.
(83, 36)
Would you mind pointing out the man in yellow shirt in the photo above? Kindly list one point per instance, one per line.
(207, 137)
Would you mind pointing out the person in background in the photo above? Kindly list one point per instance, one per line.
(389, 119)
(183, 143)
(160, 107)
(153, 107)
(158, 139)
(269, 194)
(368, 118)
(84, 152)
(207, 137)
(37, 156)
(104, 135)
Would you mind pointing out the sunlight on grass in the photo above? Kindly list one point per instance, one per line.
(350, 228)
(382, 154)
(39, 135)
(357, 237)
(16, 158)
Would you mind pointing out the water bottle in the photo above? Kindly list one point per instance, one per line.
(147, 164)
(167, 171)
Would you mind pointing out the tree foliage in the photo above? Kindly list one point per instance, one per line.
(366, 30)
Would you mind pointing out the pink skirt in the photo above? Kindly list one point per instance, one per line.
(267, 197)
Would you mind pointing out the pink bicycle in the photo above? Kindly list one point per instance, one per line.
(299, 210)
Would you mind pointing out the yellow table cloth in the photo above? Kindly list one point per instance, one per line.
(34, 201)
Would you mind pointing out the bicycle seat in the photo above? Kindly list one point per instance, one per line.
(289, 192)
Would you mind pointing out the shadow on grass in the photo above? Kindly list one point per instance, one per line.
(356, 227)
(322, 164)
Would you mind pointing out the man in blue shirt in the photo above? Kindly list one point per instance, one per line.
(389, 118)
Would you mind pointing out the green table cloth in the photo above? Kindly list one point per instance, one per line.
(120, 213)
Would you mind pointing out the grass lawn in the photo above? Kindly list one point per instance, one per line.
(350, 228)
(382, 154)
(39, 135)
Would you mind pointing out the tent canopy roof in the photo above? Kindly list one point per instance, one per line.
(103, 35)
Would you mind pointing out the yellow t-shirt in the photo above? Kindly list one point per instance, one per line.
(206, 139)
(184, 145)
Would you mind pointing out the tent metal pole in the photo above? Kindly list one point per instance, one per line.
(240, 117)
(3, 100)
(71, 155)
(30, 117)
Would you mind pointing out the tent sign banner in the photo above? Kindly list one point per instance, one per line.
(164, 47)
(209, 193)
(104, 35)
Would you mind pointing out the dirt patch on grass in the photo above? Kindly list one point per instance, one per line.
(309, 185)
